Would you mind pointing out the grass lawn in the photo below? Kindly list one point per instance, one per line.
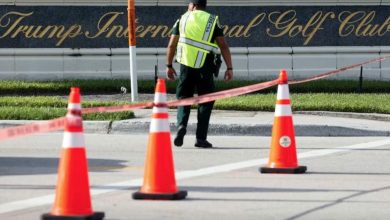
(32, 100)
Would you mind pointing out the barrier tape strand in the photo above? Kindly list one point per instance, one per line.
(222, 94)
(33, 128)
(327, 74)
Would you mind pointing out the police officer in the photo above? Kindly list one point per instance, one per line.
(196, 37)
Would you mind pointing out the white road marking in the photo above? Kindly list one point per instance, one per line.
(48, 199)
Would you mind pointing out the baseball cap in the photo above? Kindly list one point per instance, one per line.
(198, 2)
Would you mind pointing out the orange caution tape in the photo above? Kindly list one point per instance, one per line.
(58, 123)
(222, 94)
(119, 108)
(188, 101)
(33, 128)
(326, 74)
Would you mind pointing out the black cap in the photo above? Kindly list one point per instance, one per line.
(198, 2)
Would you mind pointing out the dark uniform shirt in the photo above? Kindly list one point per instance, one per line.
(218, 32)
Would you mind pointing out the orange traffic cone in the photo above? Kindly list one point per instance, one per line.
(283, 155)
(159, 177)
(73, 199)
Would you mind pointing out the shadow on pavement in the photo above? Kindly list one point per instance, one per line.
(44, 165)
(39, 187)
(349, 173)
(256, 189)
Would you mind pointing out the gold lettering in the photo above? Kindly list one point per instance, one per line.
(20, 29)
(72, 32)
(365, 24)
(382, 30)
(225, 29)
(242, 30)
(117, 28)
(160, 28)
(235, 31)
(167, 34)
(55, 29)
(373, 31)
(103, 25)
(316, 22)
(126, 33)
(35, 34)
(253, 23)
(361, 24)
(5, 21)
(286, 23)
(347, 26)
(28, 31)
(283, 22)
(148, 29)
(139, 29)
(297, 29)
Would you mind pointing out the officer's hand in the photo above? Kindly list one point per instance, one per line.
(171, 73)
(228, 75)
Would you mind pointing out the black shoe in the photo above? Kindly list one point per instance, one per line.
(203, 144)
(180, 136)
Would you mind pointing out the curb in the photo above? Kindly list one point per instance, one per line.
(127, 127)
(367, 116)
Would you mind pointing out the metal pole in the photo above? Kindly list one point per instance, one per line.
(132, 51)
(155, 74)
(360, 89)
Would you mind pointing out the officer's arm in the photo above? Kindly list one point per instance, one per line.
(225, 51)
(172, 48)
(171, 73)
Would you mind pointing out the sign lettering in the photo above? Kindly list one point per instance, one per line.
(269, 26)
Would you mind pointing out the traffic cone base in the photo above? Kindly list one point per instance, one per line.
(163, 196)
(294, 170)
(94, 216)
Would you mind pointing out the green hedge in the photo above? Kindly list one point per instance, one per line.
(8, 87)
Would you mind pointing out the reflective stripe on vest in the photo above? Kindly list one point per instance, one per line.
(183, 24)
(196, 30)
(199, 45)
(209, 28)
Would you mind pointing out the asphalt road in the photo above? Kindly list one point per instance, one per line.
(347, 178)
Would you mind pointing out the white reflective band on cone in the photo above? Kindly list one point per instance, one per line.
(73, 140)
(283, 92)
(159, 125)
(283, 110)
(160, 110)
(74, 106)
(160, 98)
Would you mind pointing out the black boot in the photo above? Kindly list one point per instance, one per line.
(181, 131)
(203, 144)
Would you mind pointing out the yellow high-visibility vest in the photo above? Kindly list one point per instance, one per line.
(196, 30)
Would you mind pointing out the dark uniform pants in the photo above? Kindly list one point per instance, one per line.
(202, 81)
